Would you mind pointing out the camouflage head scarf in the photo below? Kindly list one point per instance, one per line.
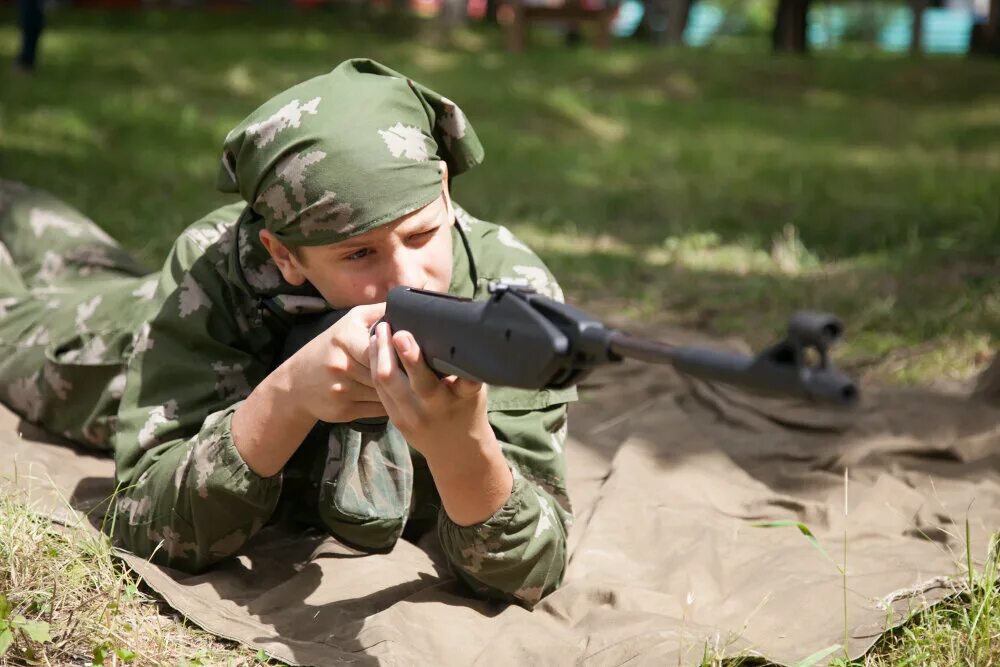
(345, 152)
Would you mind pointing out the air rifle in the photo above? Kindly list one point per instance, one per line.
(519, 338)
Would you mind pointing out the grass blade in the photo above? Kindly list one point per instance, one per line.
(818, 655)
(804, 529)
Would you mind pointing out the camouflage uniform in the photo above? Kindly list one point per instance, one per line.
(155, 367)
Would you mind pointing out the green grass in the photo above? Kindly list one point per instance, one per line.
(719, 189)
(963, 630)
(65, 599)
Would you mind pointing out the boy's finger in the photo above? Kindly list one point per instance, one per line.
(422, 379)
(358, 392)
(463, 388)
(361, 372)
(356, 345)
(370, 313)
(385, 369)
(386, 360)
(380, 390)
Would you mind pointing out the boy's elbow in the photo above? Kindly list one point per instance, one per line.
(521, 568)
(524, 582)
(168, 548)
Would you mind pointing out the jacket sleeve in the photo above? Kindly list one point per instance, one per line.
(186, 498)
(519, 553)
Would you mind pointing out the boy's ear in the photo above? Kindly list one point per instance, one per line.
(288, 263)
(445, 188)
(445, 178)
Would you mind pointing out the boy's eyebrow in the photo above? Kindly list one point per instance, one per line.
(356, 241)
(348, 244)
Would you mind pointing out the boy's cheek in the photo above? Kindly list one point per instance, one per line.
(439, 269)
(348, 293)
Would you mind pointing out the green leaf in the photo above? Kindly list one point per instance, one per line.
(101, 653)
(37, 631)
(804, 529)
(125, 654)
(6, 639)
(817, 656)
(4, 607)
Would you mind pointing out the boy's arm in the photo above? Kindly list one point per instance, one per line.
(519, 553)
(186, 496)
(518, 548)
(204, 427)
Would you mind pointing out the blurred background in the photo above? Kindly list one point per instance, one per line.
(712, 164)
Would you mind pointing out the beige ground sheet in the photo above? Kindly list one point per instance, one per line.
(669, 478)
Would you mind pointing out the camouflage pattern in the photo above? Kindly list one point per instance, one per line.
(155, 366)
(63, 330)
(344, 152)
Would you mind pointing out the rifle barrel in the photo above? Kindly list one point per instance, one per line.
(763, 373)
(650, 351)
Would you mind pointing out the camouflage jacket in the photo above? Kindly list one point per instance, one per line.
(223, 312)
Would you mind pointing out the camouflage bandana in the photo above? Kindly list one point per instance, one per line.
(345, 152)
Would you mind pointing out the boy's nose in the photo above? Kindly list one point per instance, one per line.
(404, 270)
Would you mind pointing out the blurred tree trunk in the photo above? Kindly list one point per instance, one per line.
(986, 36)
(452, 15)
(790, 23)
(678, 12)
(491, 11)
(664, 21)
(917, 31)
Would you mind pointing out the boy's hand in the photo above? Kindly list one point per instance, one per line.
(429, 411)
(445, 420)
(327, 379)
(329, 376)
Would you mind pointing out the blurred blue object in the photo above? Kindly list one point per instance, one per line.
(827, 25)
(945, 30)
(703, 22)
(627, 19)
(895, 34)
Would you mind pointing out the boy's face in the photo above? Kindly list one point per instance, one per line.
(413, 251)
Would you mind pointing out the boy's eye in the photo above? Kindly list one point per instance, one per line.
(358, 254)
(423, 235)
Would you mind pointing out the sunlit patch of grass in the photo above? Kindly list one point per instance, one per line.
(65, 599)
(572, 108)
(900, 327)
(963, 630)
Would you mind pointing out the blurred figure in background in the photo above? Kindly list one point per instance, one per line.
(31, 19)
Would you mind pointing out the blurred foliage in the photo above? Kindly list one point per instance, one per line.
(717, 188)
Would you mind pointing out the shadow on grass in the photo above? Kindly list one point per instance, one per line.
(887, 169)
(635, 143)
(896, 303)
